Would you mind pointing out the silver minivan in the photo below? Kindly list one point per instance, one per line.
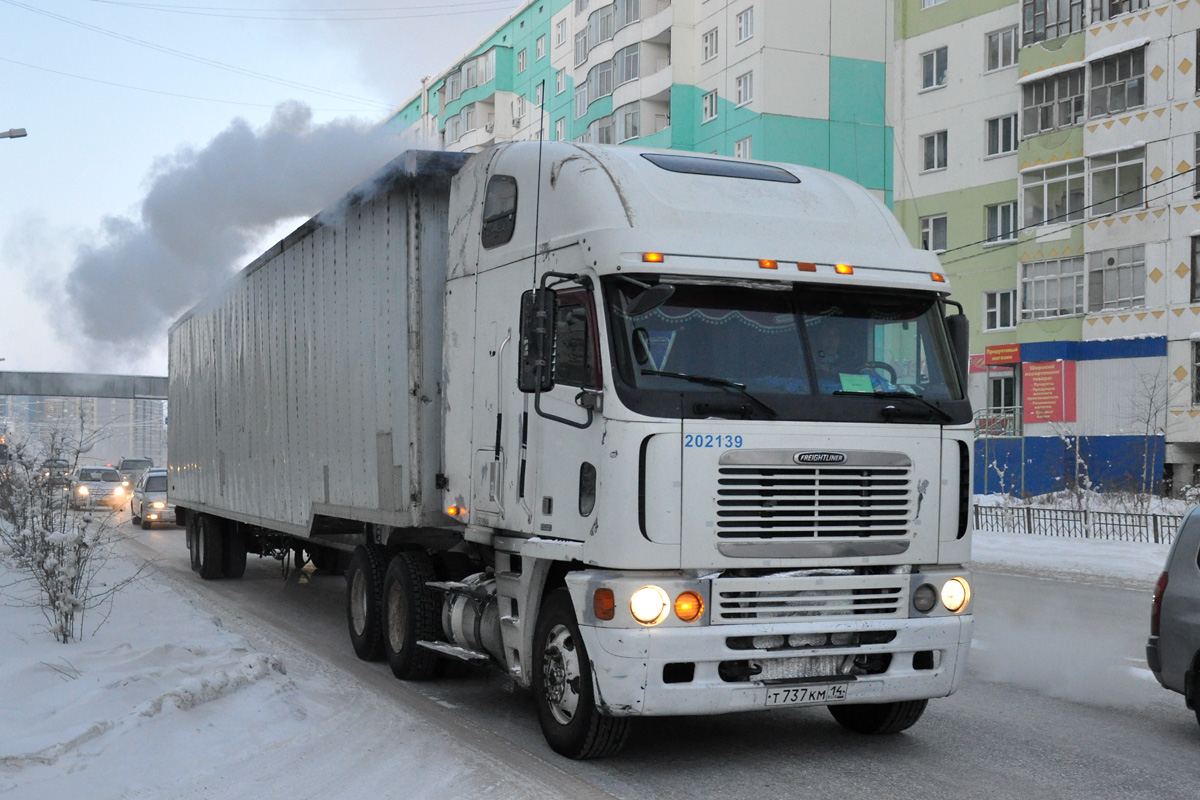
(1173, 651)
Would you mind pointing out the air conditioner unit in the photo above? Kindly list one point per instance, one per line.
(516, 122)
(489, 127)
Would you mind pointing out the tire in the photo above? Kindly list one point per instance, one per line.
(562, 687)
(364, 603)
(879, 719)
(209, 544)
(193, 539)
(411, 613)
(133, 516)
(233, 557)
(145, 523)
(325, 559)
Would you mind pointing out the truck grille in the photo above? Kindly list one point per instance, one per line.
(809, 599)
(814, 501)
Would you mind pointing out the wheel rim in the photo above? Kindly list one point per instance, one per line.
(397, 627)
(561, 674)
(201, 543)
(358, 602)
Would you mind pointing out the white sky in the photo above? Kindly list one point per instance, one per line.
(92, 143)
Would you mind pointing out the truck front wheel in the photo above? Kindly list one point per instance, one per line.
(411, 614)
(562, 687)
(210, 544)
(364, 593)
(879, 718)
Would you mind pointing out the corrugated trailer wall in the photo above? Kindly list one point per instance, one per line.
(310, 384)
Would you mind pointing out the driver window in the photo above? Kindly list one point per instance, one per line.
(574, 357)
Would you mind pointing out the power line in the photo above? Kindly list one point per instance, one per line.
(201, 59)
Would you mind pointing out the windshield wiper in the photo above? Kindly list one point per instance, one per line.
(708, 381)
(946, 417)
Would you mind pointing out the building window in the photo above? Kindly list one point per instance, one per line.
(745, 25)
(627, 64)
(1197, 61)
(933, 233)
(1049, 19)
(1053, 194)
(541, 47)
(560, 32)
(999, 310)
(521, 61)
(1052, 288)
(581, 99)
(742, 148)
(1001, 222)
(1105, 9)
(1001, 49)
(1118, 83)
(708, 45)
(602, 131)
(930, 3)
(933, 148)
(1002, 394)
(1117, 278)
(1196, 373)
(745, 88)
(560, 129)
(933, 68)
(581, 47)
(1053, 103)
(539, 94)
(602, 25)
(1002, 135)
(628, 12)
(581, 6)
(1195, 269)
(708, 105)
(629, 122)
(1116, 180)
(600, 81)
(1196, 169)
(560, 81)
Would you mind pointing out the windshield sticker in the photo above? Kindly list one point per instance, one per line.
(660, 347)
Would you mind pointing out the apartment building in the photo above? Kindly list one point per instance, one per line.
(800, 81)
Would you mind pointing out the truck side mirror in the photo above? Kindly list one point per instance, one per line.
(960, 339)
(539, 313)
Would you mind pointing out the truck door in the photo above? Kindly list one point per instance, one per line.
(565, 437)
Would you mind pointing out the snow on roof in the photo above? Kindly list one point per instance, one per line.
(1132, 44)
(1049, 72)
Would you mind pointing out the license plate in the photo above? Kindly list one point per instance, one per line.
(806, 695)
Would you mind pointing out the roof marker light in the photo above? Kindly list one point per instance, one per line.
(806, 266)
(843, 269)
(767, 263)
(652, 258)
(937, 277)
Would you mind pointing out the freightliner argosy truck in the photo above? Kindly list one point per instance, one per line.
(657, 433)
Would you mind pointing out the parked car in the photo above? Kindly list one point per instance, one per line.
(131, 468)
(95, 486)
(54, 472)
(149, 503)
(1173, 651)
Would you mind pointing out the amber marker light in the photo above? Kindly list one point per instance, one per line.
(652, 258)
(843, 269)
(604, 605)
(767, 263)
(937, 277)
(806, 266)
(456, 511)
(689, 606)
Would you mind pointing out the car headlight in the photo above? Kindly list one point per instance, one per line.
(649, 605)
(119, 490)
(83, 490)
(158, 504)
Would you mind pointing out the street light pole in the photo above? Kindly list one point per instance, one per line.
(13, 133)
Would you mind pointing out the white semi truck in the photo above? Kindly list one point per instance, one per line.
(657, 433)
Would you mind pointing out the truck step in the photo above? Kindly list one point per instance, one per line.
(454, 651)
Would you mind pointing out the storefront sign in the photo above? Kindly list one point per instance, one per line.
(1048, 391)
(1002, 354)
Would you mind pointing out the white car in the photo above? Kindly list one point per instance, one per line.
(149, 503)
(96, 486)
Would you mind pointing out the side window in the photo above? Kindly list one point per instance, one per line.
(574, 357)
(499, 211)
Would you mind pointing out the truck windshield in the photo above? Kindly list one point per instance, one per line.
(798, 351)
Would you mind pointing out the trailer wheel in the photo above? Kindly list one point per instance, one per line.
(411, 613)
(364, 593)
(326, 559)
(209, 541)
(879, 718)
(562, 687)
(192, 537)
(233, 559)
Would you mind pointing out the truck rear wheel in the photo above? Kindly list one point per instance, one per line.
(193, 538)
(879, 718)
(209, 544)
(411, 613)
(562, 687)
(364, 593)
(233, 564)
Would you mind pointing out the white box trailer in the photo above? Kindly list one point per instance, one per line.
(657, 433)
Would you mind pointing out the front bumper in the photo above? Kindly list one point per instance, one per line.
(928, 658)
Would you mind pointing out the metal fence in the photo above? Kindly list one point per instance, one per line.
(1075, 524)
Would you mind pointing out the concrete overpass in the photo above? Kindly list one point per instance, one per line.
(81, 384)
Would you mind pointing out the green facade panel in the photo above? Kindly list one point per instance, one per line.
(857, 91)
(913, 20)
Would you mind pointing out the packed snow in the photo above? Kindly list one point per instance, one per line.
(171, 698)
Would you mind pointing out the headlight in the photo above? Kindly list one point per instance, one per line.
(83, 490)
(924, 598)
(955, 594)
(649, 605)
(119, 490)
(158, 504)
